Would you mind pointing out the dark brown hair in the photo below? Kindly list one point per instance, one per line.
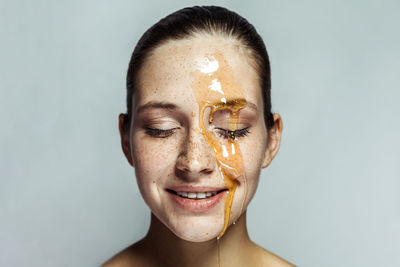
(212, 20)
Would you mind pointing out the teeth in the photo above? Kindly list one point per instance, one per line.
(201, 195)
(196, 195)
(192, 195)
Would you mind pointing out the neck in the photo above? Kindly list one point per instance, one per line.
(166, 249)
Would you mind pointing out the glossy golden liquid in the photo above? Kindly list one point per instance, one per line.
(216, 89)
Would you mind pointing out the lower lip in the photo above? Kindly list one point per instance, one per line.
(197, 205)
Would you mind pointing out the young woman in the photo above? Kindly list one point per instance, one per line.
(198, 130)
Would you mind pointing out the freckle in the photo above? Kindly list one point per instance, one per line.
(154, 182)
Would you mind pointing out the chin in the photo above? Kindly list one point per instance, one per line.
(197, 229)
(195, 236)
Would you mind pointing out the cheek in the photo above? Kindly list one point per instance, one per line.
(154, 167)
(253, 150)
(153, 158)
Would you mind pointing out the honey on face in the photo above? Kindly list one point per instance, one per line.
(216, 90)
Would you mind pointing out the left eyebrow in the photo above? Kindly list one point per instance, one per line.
(234, 101)
(156, 105)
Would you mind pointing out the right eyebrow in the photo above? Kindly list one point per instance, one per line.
(156, 105)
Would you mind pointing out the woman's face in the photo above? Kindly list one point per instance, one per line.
(193, 149)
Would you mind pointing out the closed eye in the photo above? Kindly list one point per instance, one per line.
(228, 134)
(160, 133)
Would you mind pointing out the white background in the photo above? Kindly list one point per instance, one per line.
(330, 198)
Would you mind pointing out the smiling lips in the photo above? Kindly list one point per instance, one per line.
(196, 199)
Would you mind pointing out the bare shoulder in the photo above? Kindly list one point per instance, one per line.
(130, 256)
(267, 258)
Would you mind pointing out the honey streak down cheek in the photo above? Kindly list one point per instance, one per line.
(215, 89)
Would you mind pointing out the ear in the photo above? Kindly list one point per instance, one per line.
(274, 140)
(124, 133)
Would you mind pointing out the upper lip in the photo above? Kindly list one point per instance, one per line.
(188, 188)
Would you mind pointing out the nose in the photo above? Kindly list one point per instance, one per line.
(196, 158)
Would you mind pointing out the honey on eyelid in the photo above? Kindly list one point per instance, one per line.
(216, 89)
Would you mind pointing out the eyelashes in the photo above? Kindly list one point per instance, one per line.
(159, 133)
(224, 133)
(228, 134)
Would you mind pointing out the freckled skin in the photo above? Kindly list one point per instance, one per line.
(187, 157)
(173, 70)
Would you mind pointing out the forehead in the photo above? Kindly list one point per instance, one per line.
(170, 72)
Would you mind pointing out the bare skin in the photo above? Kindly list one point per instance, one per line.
(160, 247)
(175, 152)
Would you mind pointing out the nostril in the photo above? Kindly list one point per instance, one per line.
(190, 170)
(185, 169)
(195, 168)
(207, 171)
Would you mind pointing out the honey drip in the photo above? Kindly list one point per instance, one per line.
(219, 253)
(216, 89)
